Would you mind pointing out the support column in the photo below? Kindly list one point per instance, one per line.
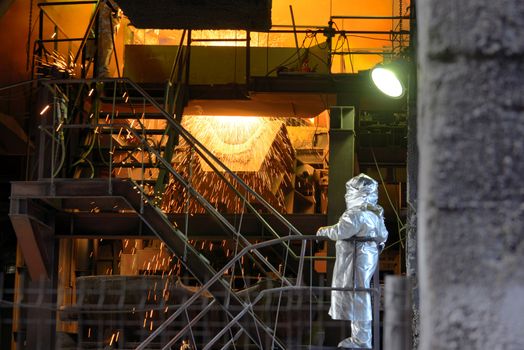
(412, 181)
(341, 169)
(341, 158)
(471, 188)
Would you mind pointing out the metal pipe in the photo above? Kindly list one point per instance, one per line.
(22, 83)
(217, 39)
(296, 26)
(248, 56)
(59, 40)
(347, 32)
(188, 65)
(362, 53)
(55, 35)
(301, 264)
(40, 31)
(295, 34)
(190, 324)
(369, 17)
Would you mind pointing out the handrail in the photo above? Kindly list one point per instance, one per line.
(20, 83)
(177, 57)
(84, 39)
(233, 261)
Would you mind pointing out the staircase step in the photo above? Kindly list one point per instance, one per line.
(130, 115)
(117, 148)
(132, 165)
(138, 131)
(139, 101)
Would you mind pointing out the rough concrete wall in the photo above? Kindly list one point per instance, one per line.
(412, 188)
(411, 224)
(471, 184)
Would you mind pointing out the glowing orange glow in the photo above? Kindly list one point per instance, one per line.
(310, 15)
(242, 143)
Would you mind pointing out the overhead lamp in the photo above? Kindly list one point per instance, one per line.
(389, 77)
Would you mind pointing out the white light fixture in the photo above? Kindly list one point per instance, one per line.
(388, 79)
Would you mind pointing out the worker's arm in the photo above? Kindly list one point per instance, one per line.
(346, 227)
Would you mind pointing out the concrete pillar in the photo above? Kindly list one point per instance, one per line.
(398, 313)
(471, 187)
(412, 188)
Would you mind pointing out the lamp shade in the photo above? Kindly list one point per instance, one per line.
(388, 78)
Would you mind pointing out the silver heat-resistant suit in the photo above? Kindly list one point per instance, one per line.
(356, 260)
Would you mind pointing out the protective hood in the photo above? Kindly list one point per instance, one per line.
(362, 192)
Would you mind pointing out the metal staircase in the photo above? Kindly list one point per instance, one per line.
(136, 194)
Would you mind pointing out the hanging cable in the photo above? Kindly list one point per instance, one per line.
(350, 56)
(400, 225)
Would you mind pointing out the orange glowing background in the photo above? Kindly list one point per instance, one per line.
(311, 14)
(18, 35)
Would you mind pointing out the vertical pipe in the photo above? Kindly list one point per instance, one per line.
(188, 58)
(248, 57)
(40, 32)
(398, 315)
(329, 42)
(300, 278)
(97, 43)
(55, 32)
(295, 34)
(142, 151)
(53, 136)
(113, 107)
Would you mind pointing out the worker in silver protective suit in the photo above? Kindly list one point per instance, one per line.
(356, 260)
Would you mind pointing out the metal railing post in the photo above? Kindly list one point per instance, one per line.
(113, 108)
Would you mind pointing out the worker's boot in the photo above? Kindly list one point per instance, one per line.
(360, 336)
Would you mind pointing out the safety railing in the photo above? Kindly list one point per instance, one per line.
(160, 311)
(70, 61)
(299, 286)
(51, 32)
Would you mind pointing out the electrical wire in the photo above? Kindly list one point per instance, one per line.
(350, 56)
(400, 226)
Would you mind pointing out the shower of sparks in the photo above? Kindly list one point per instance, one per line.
(55, 60)
(257, 149)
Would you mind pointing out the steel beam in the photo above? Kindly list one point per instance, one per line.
(33, 228)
